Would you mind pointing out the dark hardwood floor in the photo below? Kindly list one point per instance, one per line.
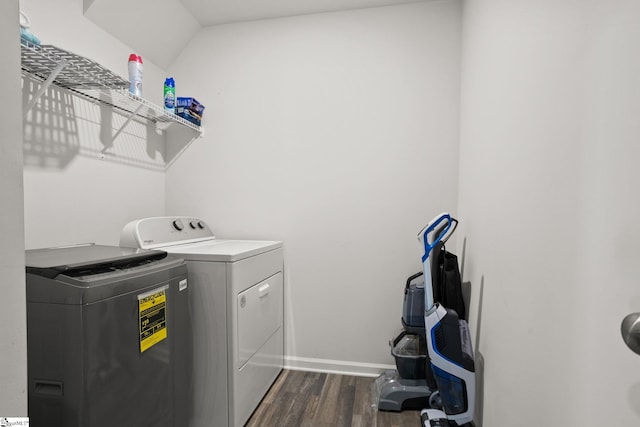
(311, 399)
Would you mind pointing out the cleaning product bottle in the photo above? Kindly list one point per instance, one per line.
(135, 75)
(26, 36)
(170, 95)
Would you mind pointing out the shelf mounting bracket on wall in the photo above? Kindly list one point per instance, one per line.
(179, 153)
(45, 85)
(131, 116)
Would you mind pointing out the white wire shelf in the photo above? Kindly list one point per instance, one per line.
(87, 78)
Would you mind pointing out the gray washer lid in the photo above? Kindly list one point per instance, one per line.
(84, 260)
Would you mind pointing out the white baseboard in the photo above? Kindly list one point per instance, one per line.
(342, 367)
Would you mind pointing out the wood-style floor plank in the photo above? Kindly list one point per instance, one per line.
(312, 399)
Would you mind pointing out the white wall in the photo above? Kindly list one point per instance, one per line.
(13, 327)
(320, 130)
(548, 175)
(337, 133)
(159, 28)
(71, 194)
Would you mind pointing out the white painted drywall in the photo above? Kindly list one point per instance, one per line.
(319, 132)
(337, 133)
(159, 29)
(72, 195)
(13, 321)
(550, 142)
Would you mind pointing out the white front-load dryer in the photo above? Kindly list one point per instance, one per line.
(236, 303)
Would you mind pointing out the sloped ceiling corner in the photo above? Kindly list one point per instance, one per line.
(159, 29)
(155, 29)
(216, 12)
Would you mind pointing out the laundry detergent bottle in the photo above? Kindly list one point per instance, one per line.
(170, 95)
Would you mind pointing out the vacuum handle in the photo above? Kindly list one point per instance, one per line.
(445, 238)
(424, 233)
(394, 342)
(423, 238)
(411, 279)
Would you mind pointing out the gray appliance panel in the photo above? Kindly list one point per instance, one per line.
(208, 310)
(85, 364)
(84, 290)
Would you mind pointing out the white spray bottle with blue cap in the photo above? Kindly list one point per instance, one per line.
(451, 362)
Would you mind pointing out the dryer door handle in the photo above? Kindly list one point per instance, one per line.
(263, 290)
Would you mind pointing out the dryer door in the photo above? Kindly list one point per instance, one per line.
(259, 316)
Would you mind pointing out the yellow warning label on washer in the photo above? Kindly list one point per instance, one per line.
(152, 308)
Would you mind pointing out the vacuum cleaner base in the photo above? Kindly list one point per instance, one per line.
(391, 392)
(437, 418)
(434, 418)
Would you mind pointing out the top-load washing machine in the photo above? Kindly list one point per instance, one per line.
(236, 305)
(108, 337)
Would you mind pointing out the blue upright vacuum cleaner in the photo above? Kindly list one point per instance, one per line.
(448, 344)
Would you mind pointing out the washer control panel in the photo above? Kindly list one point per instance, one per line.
(149, 233)
(195, 224)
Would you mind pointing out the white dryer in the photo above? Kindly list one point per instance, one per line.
(236, 304)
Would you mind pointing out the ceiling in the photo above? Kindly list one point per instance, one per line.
(144, 26)
(215, 12)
